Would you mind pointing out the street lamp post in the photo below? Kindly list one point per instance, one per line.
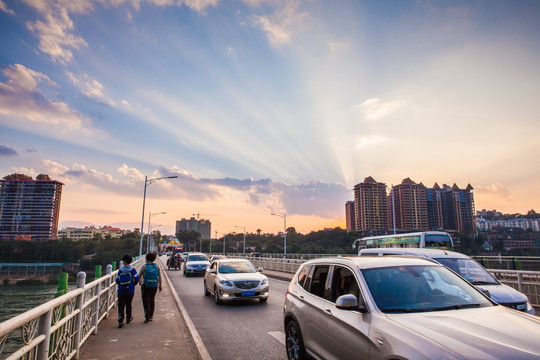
(148, 233)
(146, 183)
(243, 227)
(284, 216)
(223, 241)
(150, 244)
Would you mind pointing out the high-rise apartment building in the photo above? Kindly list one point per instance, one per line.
(29, 208)
(370, 205)
(410, 206)
(202, 226)
(436, 206)
(350, 216)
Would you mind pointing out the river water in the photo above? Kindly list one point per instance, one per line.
(16, 299)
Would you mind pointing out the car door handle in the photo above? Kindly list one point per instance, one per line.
(301, 297)
(329, 311)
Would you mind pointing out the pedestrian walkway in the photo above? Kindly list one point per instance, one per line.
(167, 337)
(170, 336)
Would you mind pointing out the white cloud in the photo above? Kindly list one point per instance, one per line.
(282, 24)
(495, 189)
(373, 109)
(21, 98)
(55, 33)
(5, 9)
(130, 172)
(367, 140)
(91, 88)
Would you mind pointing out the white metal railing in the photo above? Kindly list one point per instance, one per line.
(58, 328)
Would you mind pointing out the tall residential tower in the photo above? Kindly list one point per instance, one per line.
(29, 209)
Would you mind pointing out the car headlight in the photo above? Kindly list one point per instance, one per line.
(530, 308)
(225, 283)
(264, 281)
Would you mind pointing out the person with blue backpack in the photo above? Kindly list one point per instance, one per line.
(150, 284)
(126, 279)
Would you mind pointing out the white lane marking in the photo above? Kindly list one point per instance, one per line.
(278, 335)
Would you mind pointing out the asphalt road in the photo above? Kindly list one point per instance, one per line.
(243, 330)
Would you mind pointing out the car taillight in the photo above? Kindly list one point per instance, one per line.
(287, 292)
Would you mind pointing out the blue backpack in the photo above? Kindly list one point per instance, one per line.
(124, 280)
(151, 275)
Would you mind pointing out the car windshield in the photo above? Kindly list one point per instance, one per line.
(420, 288)
(236, 267)
(197, 258)
(470, 270)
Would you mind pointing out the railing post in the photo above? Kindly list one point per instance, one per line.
(108, 284)
(520, 281)
(81, 281)
(45, 329)
(96, 307)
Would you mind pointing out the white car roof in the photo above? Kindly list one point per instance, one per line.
(422, 252)
(366, 262)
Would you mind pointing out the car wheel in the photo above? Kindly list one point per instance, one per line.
(217, 300)
(294, 344)
(206, 292)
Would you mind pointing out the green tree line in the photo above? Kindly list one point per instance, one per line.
(87, 253)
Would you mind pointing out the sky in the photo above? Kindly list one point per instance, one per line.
(267, 106)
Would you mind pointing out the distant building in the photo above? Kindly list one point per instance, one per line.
(29, 208)
(89, 232)
(410, 206)
(350, 216)
(202, 226)
(370, 206)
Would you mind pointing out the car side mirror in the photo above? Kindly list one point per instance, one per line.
(260, 269)
(350, 302)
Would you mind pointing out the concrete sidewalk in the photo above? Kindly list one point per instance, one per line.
(167, 337)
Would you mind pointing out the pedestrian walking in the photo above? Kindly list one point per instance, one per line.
(151, 282)
(126, 279)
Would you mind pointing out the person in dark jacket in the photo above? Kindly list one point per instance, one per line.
(126, 279)
(151, 282)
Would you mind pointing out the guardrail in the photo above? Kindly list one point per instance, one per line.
(526, 282)
(58, 328)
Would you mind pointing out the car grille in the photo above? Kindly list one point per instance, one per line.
(521, 306)
(246, 284)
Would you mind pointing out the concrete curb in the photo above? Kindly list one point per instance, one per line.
(203, 352)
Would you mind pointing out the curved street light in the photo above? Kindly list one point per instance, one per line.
(148, 232)
(284, 216)
(146, 183)
(151, 246)
(243, 227)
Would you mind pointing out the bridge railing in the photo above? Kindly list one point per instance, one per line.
(58, 328)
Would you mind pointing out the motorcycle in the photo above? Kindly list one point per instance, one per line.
(174, 263)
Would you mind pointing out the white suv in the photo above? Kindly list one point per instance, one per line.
(389, 307)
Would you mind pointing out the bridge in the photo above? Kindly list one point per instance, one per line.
(187, 325)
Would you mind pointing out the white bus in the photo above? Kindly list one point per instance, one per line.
(425, 239)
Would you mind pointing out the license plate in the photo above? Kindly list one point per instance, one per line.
(248, 293)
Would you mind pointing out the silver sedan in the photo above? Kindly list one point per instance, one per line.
(235, 279)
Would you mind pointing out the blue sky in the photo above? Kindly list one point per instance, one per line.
(268, 106)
